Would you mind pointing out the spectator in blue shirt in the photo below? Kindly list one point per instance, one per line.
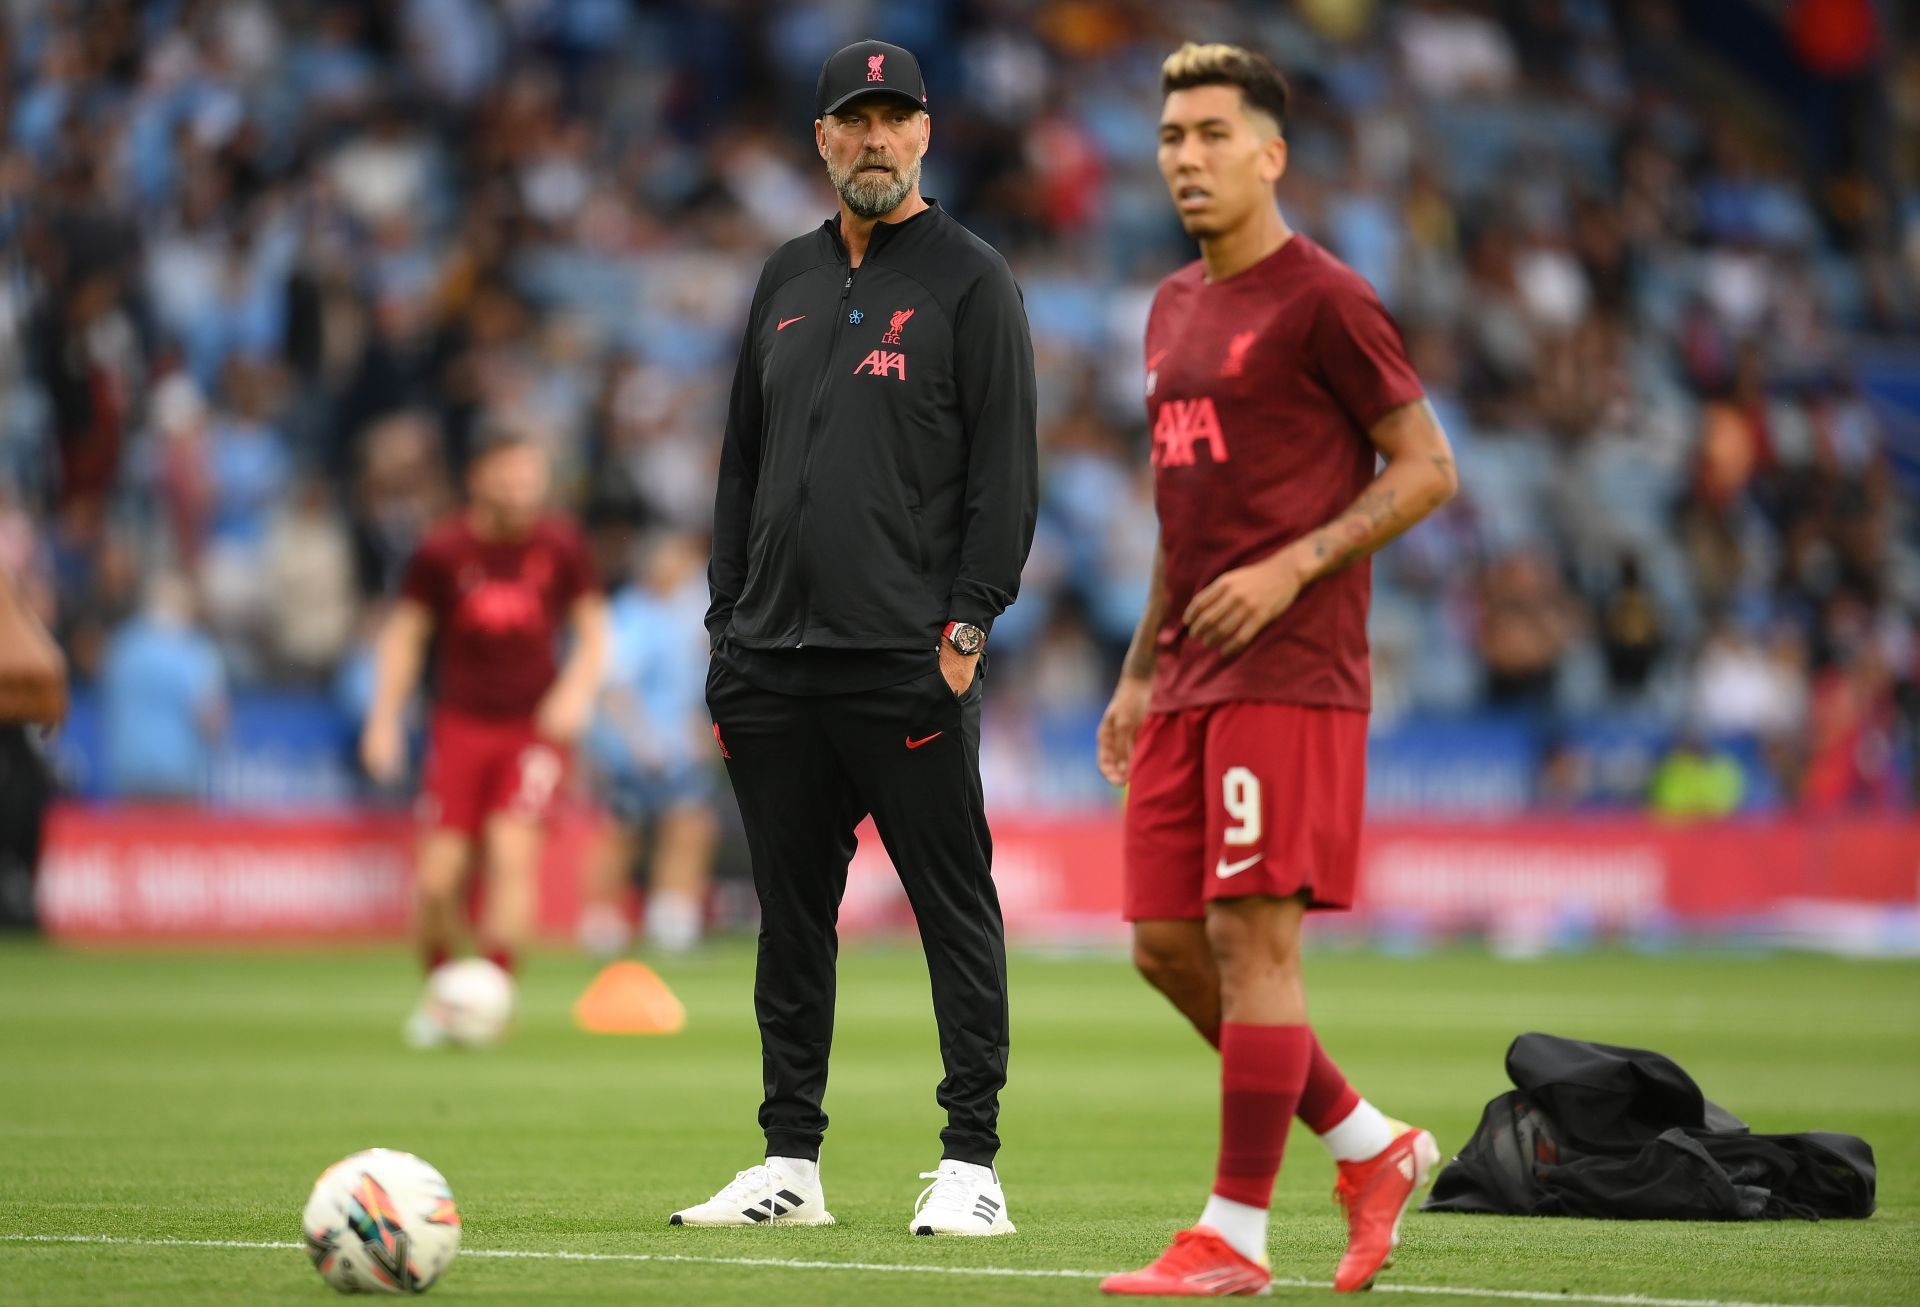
(247, 460)
(164, 696)
(650, 746)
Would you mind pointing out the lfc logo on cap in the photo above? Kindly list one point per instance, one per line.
(873, 68)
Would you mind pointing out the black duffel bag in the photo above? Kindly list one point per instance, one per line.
(1595, 1130)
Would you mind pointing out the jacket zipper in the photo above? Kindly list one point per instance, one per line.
(806, 455)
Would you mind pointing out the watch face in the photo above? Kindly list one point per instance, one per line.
(968, 639)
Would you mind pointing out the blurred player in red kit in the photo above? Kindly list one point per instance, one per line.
(492, 587)
(1275, 382)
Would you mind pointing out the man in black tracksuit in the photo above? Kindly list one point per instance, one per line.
(876, 503)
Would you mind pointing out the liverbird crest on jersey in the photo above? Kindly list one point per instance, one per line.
(1236, 363)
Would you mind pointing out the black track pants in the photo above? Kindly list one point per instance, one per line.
(806, 770)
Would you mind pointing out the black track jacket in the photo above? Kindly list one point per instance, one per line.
(879, 473)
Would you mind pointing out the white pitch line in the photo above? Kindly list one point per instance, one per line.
(893, 1268)
(1533, 1295)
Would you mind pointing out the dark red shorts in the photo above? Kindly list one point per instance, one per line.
(477, 767)
(1237, 799)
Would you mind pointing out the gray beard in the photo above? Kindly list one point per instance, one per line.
(874, 197)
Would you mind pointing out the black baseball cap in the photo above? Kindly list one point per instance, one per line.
(864, 68)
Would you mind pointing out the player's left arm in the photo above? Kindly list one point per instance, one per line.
(568, 704)
(1418, 478)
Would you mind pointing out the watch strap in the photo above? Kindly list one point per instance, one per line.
(946, 633)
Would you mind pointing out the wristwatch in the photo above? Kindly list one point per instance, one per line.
(965, 638)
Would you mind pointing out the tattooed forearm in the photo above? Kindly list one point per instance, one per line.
(1449, 480)
(1373, 520)
(1376, 505)
(1411, 486)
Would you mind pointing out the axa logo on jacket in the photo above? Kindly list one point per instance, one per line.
(883, 363)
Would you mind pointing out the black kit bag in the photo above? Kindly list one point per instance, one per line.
(1596, 1130)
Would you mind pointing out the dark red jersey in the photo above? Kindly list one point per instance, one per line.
(1260, 392)
(498, 607)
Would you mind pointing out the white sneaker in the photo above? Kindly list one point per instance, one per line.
(675, 922)
(961, 1200)
(759, 1195)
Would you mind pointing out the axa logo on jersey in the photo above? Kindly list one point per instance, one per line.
(499, 607)
(1183, 424)
(884, 363)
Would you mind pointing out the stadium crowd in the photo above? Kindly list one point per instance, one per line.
(268, 266)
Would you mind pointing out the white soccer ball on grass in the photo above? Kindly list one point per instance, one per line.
(471, 1001)
(381, 1222)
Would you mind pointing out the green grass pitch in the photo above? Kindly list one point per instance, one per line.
(185, 1096)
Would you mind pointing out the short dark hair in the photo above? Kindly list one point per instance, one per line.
(1262, 84)
(497, 433)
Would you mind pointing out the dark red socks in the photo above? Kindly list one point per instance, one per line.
(1263, 1070)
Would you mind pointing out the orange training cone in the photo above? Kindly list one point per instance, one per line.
(628, 999)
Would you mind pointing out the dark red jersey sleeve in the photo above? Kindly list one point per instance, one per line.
(427, 579)
(575, 574)
(1361, 357)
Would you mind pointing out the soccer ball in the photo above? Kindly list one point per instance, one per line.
(471, 1001)
(381, 1222)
